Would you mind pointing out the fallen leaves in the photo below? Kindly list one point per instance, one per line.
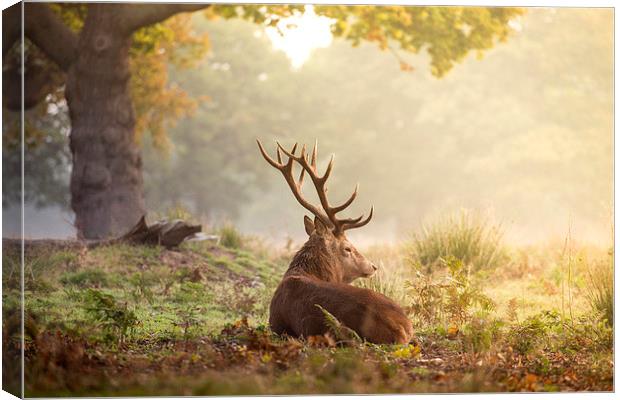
(407, 351)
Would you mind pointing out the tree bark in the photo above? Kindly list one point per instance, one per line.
(106, 180)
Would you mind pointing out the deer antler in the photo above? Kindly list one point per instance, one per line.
(328, 213)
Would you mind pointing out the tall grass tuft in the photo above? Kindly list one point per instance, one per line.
(600, 288)
(466, 236)
(230, 237)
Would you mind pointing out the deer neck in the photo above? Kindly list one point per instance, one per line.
(312, 259)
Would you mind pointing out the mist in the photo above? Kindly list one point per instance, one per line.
(523, 134)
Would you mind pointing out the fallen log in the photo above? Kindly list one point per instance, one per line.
(161, 233)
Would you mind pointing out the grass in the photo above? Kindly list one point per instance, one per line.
(467, 236)
(600, 288)
(136, 320)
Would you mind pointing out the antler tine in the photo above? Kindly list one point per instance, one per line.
(314, 151)
(301, 177)
(301, 174)
(328, 170)
(278, 154)
(348, 202)
(358, 224)
(319, 182)
(270, 160)
(287, 172)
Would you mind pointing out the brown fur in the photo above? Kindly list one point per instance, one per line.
(317, 276)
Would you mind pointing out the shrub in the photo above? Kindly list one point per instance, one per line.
(526, 336)
(479, 333)
(600, 289)
(230, 237)
(466, 236)
(116, 318)
(189, 297)
(454, 298)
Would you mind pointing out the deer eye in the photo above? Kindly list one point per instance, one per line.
(347, 249)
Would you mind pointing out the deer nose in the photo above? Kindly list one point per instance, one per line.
(374, 266)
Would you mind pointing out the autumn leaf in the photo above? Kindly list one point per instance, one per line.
(407, 351)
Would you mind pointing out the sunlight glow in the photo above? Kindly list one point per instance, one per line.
(299, 35)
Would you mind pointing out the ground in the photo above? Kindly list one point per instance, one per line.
(138, 320)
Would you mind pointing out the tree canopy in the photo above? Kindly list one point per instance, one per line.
(448, 34)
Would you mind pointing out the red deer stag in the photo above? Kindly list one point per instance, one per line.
(322, 270)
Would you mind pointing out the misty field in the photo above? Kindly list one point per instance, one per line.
(138, 320)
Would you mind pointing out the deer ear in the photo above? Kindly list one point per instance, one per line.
(309, 225)
(320, 227)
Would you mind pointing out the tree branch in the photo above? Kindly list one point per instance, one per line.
(135, 16)
(11, 27)
(47, 31)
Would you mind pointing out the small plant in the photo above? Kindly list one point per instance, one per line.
(142, 283)
(427, 298)
(341, 332)
(452, 299)
(189, 297)
(600, 289)
(116, 319)
(479, 333)
(466, 236)
(463, 294)
(230, 237)
(512, 308)
(529, 334)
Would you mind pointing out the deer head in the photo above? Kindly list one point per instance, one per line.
(338, 259)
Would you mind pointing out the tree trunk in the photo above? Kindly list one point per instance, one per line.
(106, 180)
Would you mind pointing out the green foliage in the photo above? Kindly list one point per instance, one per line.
(464, 293)
(547, 330)
(466, 236)
(600, 289)
(230, 237)
(116, 318)
(587, 332)
(448, 34)
(451, 299)
(526, 336)
(480, 332)
(143, 283)
(190, 296)
(341, 332)
(86, 278)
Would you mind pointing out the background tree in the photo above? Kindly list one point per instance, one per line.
(89, 49)
(490, 135)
